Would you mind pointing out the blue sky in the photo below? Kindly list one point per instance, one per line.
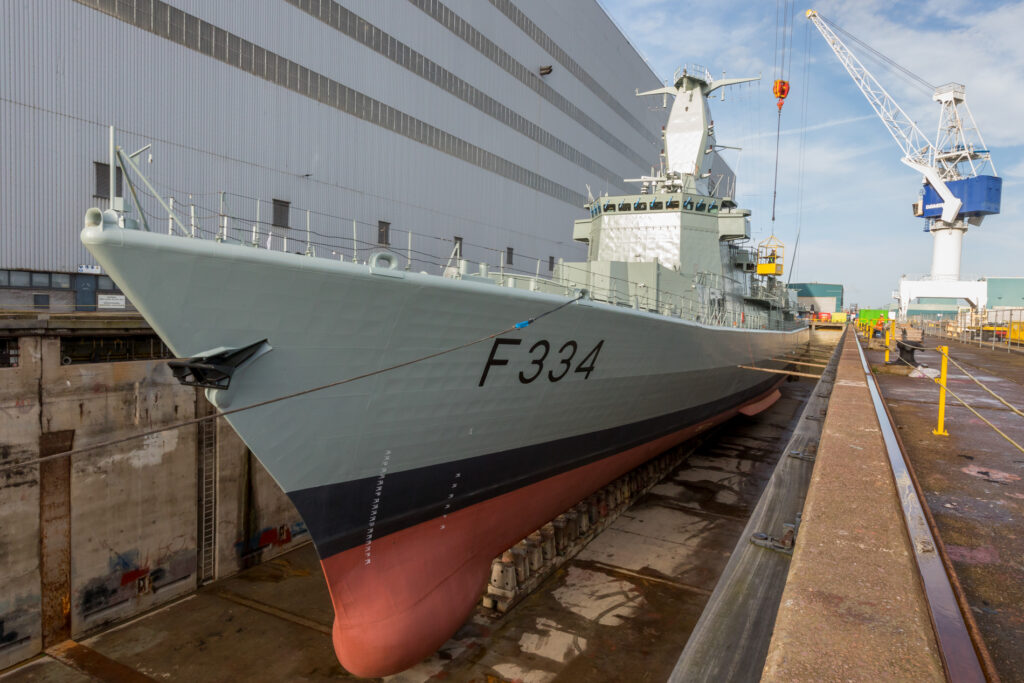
(852, 201)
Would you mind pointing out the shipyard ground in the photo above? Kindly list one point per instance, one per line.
(973, 482)
(853, 575)
(624, 608)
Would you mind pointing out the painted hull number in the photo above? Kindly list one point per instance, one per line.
(539, 358)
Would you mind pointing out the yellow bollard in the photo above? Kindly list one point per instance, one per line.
(888, 331)
(940, 430)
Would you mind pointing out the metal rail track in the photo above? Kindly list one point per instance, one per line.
(963, 653)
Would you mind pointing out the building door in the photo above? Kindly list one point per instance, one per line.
(85, 292)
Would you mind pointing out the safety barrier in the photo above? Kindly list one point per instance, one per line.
(942, 381)
(995, 328)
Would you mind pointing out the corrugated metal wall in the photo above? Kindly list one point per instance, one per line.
(72, 68)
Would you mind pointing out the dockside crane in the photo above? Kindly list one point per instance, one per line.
(960, 182)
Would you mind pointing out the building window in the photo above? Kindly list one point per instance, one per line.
(60, 280)
(41, 280)
(104, 282)
(41, 301)
(8, 353)
(103, 180)
(281, 208)
(5, 278)
(551, 263)
(508, 256)
(21, 278)
(458, 247)
(383, 233)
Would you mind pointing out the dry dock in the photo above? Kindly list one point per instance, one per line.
(626, 603)
(850, 603)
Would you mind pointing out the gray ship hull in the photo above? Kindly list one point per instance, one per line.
(402, 476)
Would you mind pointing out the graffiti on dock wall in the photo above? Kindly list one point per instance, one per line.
(19, 628)
(130, 577)
(270, 536)
(16, 626)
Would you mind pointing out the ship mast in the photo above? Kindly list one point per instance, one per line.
(689, 133)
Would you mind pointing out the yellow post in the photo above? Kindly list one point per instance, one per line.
(940, 430)
(887, 333)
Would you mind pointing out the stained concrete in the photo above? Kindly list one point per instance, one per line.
(20, 596)
(620, 610)
(119, 537)
(853, 607)
(973, 483)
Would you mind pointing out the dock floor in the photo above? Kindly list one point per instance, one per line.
(624, 606)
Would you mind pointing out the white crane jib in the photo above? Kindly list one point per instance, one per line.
(961, 187)
(918, 152)
(689, 133)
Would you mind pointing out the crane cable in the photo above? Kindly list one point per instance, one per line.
(783, 43)
(806, 82)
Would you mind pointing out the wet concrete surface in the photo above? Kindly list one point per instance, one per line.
(622, 609)
(973, 482)
(853, 608)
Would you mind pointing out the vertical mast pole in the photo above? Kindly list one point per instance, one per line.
(255, 226)
(309, 246)
(111, 168)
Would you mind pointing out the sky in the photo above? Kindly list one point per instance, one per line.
(841, 184)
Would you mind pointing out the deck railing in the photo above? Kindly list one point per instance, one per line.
(229, 218)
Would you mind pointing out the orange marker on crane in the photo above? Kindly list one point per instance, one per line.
(780, 90)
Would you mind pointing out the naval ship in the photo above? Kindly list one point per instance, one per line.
(434, 420)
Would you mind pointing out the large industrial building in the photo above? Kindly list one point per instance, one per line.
(1001, 293)
(322, 127)
(818, 297)
(472, 124)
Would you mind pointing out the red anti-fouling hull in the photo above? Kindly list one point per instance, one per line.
(397, 600)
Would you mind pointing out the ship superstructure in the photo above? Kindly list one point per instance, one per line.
(679, 246)
(433, 422)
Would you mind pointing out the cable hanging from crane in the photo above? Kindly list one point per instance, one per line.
(780, 89)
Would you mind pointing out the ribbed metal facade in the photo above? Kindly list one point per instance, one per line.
(432, 117)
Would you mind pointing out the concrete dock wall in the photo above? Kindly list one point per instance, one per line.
(98, 538)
